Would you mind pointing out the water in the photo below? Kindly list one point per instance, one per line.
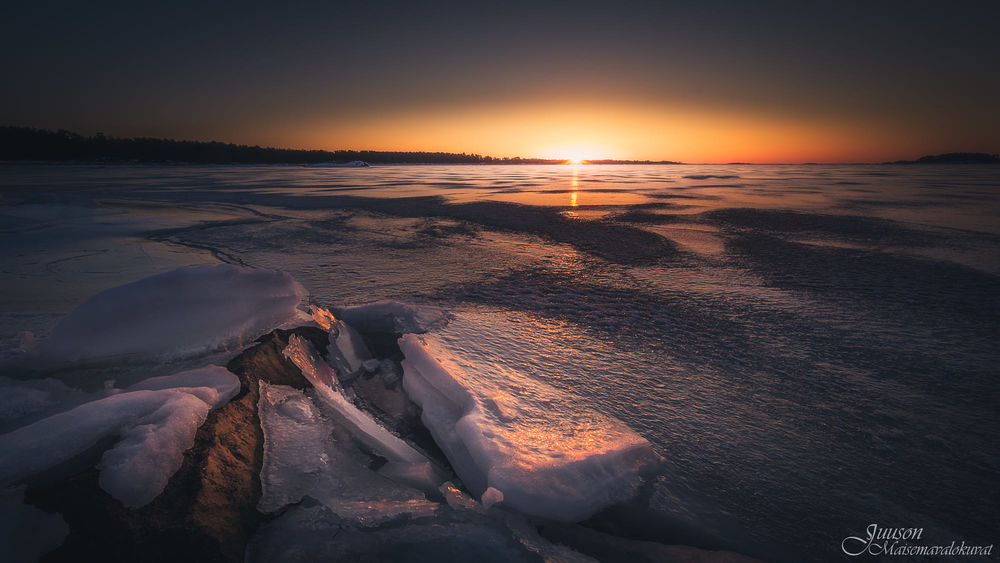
(811, 348)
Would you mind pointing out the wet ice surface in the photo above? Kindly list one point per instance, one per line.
(810, 348)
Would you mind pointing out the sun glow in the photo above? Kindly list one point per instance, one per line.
(576, 156)
(579, 152)
(617, 129)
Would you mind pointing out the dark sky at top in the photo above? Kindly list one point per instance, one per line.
(698, 81)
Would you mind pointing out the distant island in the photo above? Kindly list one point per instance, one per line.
(953, 158)
(21, 144)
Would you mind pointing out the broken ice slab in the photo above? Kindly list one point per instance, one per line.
(516, 440)
(303, 458)
(421, 473)
(348, 353)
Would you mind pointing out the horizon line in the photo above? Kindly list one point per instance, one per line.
(570, 161)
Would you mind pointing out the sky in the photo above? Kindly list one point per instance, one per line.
(803, 81)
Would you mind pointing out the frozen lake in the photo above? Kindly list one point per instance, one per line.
(810, 348)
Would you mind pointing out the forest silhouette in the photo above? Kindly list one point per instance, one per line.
(29, 144)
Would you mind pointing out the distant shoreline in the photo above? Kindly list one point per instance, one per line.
(953, 158)
(25, 145)
(19, 144)
(4, 163)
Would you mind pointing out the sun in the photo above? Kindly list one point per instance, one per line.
(576, 154)
(575, 157)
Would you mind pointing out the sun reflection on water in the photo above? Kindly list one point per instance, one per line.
(575, 185)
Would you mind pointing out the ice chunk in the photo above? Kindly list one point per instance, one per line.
(303, 458)
(294, 452)
(393, 316)
(348, 352)
(513, 438)
(323, 317)
(491, 496)
(178, 313)
(351, 347)
(364, 427)
(455, 497)
(155, 425)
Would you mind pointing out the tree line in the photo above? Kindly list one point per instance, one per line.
(28, 144)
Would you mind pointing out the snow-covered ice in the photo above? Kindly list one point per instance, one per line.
(515, 440)
(155, 421)
(178, 313)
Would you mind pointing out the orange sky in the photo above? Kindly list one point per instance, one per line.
(713, 81)
(623, 130)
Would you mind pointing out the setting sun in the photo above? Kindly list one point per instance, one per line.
(579, 153)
